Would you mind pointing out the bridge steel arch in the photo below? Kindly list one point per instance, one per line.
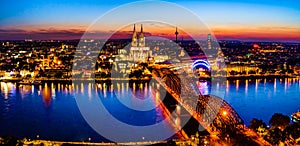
(187, 89)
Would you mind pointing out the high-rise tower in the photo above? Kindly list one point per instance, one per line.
(142, 38)
(176, 33)
(209, 41)
(134, 41)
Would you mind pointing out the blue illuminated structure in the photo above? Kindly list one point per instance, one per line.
(201, 64)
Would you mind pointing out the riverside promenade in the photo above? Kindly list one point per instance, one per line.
(58, 143)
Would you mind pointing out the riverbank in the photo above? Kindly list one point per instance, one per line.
(244, 77)
(58, 143)
(98, 80)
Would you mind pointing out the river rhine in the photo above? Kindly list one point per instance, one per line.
(50, 111)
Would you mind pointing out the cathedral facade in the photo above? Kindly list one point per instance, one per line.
(138, 50)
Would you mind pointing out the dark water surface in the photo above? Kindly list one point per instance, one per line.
(50, 110)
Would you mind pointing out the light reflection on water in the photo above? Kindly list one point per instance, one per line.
(261, 98)
(50, 110)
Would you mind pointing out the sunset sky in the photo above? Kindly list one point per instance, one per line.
(266, 20)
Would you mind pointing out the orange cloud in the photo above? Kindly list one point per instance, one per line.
(239, 32)
(263, 32)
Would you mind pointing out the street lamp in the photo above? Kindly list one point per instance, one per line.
(224, 113)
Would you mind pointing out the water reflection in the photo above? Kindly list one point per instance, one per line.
(46, 94)
(260, 96)
(275, 86)
(237, 85)
(256, 85)
(246, 87)
(141, 90)
(204, 87)
(7, 89)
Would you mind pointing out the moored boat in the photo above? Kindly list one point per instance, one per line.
(29, 82)
(296, 117)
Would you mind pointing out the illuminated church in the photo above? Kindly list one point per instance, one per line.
(138, 49)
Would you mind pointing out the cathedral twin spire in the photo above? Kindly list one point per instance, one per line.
(135, 42)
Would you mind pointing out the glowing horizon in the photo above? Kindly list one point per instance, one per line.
(236, 19)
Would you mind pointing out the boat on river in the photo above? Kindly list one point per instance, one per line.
(296, 117)
(29, 82)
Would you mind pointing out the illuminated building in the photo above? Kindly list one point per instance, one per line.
(138, 49)
(209, 41)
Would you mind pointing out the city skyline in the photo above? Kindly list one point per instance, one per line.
(237, 19)
(150, 72)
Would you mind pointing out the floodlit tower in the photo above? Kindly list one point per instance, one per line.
(134, 42)
(142, 38)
